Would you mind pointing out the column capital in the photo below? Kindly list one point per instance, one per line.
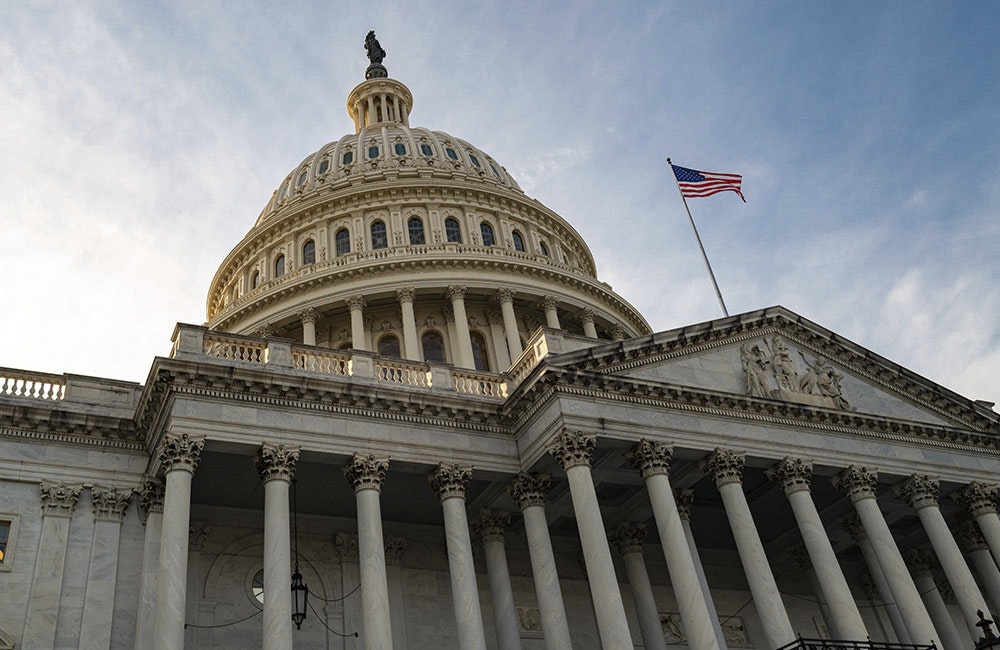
(618, 332)
(450, 480)
(276, 462)
(793, 474)
(180, 452)
(586, 315)
(355, 303)
(492, 525)
(572, 448)
(685, 501)
(650, 457)
(970, 538)
(456, 292)
(549, 303)
(628, 538)
(919, 490)
(852, 524)
(265, 331)
(347, 546)
(308, 315)
(110, 502)
(448, 313)
(530, 489)
(394, 549)
(858, 482)
(406, 294)
(979, 498)
(366, 471)
(58, 498)
(918, 561)
(151, 496)
(504, 295)
(493, 317)
(725, 466)
(197, 534)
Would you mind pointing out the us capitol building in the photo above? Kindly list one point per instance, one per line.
(413, 393)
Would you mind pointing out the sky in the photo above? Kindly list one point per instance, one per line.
(139, 142)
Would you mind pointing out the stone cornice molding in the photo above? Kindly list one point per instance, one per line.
(651, 457)
(792, 474)
(151, 497)
(276, 462)
(55, 421)
(920, 491)
(724, 466)
(530, 489)
(628, 538)
(857, 482)
(492, 525)
(110, 502)
(979, 498)
(685, 501)
(59, 499)
(181, 452)
(573, 448)
(450, 480)
(347, 546)
(367, 471)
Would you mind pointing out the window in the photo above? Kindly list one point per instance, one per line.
(283, 191)
(373, 152)
(542, 249)
(257, 586)
(452, 231)
(342, 241)
(302, 178)
(495, 172)
(426, 149)
(4, 537)
(380, 238)
(348, 158)
(416, 228)
(324, 166)
(309, 252)
(451, 153)
(518, 241)
(279, 266)
(475, 161)
(255, 279)
(400, 149)
(487, 231)
(433, 345)
(8, 534)
(479, 355)
(388, 346)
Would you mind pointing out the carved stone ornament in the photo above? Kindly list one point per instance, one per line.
(110, 502)
(450, 480)
(970, 538)
(492, 525)
(356, 303)
(920, 491)
(367, 471)
(180, 452)
(530, 489)
(276, 462)
(618, 332)
(800, 554)
(685, 501)
(504, 295)
(448, 313)
(394, 549)
(573, 448)
(587, 315)
(197, 534)
(979, 498)
(628, 538)
(549, 303)
(455, 292)
(493, 317)
(651, 457)
(858, 482)
(852, 524)
(265, 331)
(793, 474)
(347, 546)
(308, 315)
(919, 562)
(406, 294)
(724, 466)
(59, 499)
(151, 496)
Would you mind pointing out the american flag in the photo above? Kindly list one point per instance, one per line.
(694, 183)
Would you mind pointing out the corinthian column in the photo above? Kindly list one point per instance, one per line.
(151, 505)
(974, 545)
(587, 320)
(627, 540)
(920, 566)
(529, 491)
(506, 299)
(276, 466)
(794, 476)
(450, 482)
(981, 500)
(852, 524)
(726, 467)
(99, 603)
(357, 306)
(456, 294)
(411, 346)
(685, 500)
(652, 459)
(860, 485)
(58, 502)
(492, 527)
(551, 307)
(366, 474)
(309, 318)
(179, 456)
(922, 494)
(574, 450)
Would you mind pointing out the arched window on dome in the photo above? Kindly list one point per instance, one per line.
(324, 166)
(416, 229)
(388, 346)
(302, 179)
(543, 249)
(479, 354)
(433, 346)
(518, 241)
(487, 231)
(380, 238)
(279, 266)
(452, 231)
(342, 241)
(400, 149)
(309, 252)
(254, 280)
(348, 158)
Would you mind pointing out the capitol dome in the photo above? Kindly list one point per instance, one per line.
(413, 243)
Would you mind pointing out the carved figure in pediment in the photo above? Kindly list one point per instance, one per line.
(755, 364)
(823, 379)
(770, 371)
(784, 367)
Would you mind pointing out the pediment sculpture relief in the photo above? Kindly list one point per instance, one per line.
(773, 371)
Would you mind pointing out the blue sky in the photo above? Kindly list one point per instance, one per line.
(140, 141)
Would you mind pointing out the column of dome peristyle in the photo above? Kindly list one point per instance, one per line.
(276, 466)
(794, 476)
(369, 93)
(506, 299)
(179, 456)
(860, 484)
(450, 482)
(652, 460)
(627, 539)
(366, 473)
(456, 294)
(575, 450)
(411, 349)
(981, 500)
(492, 526)
(357, 305)
(309, 318)
(922, 494)
(726, 467)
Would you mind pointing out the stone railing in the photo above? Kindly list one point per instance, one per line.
(222, 346)
(327, 362)
(33, 385)
(406, 373)
(479, 383)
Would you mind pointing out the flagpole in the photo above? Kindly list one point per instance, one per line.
(704, 255)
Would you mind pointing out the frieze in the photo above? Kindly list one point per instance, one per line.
(110, 502)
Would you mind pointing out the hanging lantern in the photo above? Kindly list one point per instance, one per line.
(300, 598)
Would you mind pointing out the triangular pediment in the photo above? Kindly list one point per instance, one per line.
(775, 354)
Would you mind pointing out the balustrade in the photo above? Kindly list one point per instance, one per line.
(397, 371)
(477, 383)
(326, 362)
(234, 348)
(33, 385)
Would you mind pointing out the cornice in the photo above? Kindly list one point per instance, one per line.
(60, 425)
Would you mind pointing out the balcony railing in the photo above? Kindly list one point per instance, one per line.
(33, 385)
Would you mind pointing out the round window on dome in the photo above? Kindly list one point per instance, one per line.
(495, 172)
(451, 153)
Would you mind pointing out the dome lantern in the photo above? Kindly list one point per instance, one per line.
(378, 99)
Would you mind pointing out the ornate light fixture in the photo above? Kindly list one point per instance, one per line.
(300, 592)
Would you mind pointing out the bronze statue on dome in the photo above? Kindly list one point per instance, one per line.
(373, 48)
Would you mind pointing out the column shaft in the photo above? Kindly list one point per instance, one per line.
(550, 306)
(989, 524)
(357, 325)
(510, 328)
(99, 603)
(713, 613)
(411, 345)
(46, 585)
(146, 616)
(989, 574)
(885, 592)
(374, 583)
(172, 577)
(645, 603)
(277, 566)
(938, 610)
(543, 569)
(465, 358)
(464, 591)
(504, 614)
